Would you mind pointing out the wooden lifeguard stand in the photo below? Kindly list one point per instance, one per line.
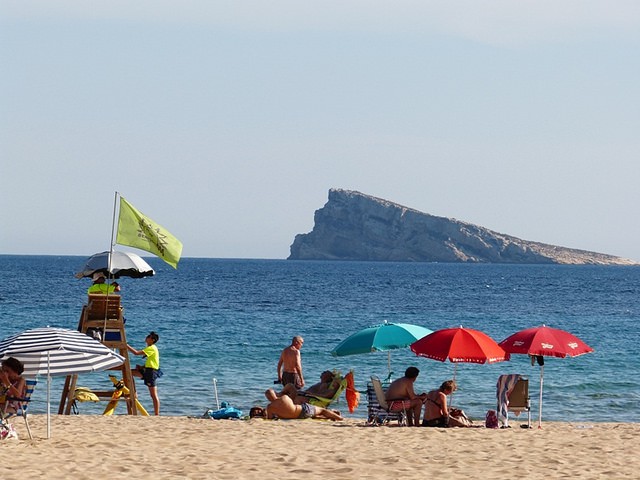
(102, 317)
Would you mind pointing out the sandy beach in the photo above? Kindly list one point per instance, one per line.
(89, 446)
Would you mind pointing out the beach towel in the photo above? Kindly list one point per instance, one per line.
(503, 389)
(352, 395)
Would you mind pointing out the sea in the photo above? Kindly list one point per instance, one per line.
(223, 323)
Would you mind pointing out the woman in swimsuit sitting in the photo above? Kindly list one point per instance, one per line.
(12, 385)
(436, 411)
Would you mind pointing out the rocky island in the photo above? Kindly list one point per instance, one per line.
(355, 226)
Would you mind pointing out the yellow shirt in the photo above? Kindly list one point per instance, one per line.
(153, 357)
(103, 288)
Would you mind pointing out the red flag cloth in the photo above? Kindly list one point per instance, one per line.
(352, 395)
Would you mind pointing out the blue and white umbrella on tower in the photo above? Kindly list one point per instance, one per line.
(55, 351)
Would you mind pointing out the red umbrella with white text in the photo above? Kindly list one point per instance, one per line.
(542, 341)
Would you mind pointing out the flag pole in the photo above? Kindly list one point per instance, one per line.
(113, 226)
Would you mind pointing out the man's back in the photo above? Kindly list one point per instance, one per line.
(283, 407)
(400, 389)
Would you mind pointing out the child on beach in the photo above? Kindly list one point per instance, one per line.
(150, 372)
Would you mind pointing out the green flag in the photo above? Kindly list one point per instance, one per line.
(136, 230)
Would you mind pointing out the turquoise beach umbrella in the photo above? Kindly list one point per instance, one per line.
(384, 337)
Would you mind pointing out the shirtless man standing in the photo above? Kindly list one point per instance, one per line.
(283, 407)
(290, 364)
(401, 396)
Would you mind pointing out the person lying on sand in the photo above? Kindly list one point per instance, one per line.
(283, 407)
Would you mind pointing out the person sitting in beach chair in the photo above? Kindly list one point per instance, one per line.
(401, 396)
(283, 407)
(321, 394)
(100, 285)
(12, 385)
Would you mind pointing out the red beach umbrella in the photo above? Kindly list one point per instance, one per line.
(546, 341)
(460, 345)
(542, 341)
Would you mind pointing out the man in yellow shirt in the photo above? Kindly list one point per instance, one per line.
(100, 285)
(150, 372)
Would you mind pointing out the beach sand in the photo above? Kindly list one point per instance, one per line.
(92, 446)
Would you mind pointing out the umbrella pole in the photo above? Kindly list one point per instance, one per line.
(540, 401)
(48, 395)
(215, 390)
(455, 371)
(389, 364)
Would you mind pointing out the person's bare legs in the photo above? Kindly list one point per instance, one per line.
(416, 410)
(326, 413)
(153, 392)
(270, 394)
(289, 389)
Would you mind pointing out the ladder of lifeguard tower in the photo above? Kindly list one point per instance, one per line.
(102, 317)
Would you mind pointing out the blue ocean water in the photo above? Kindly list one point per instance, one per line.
(229, 320)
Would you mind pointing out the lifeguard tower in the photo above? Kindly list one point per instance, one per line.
(102, 318)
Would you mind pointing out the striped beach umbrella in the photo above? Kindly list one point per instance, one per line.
(58, 351)
(55, 351)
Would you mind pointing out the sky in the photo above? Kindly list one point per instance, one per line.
(227, 122)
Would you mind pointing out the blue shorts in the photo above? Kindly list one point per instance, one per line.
(150, 375)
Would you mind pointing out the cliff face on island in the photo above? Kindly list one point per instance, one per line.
(355, 226)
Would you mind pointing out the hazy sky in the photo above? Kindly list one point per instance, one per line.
(228, 121)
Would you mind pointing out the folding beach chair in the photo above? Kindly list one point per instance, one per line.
(100, 307)
(23, 404)
(513, 396)
(386, 411)
(103, 311)
(325, 402)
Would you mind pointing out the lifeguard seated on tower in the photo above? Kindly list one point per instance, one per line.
(101, 286)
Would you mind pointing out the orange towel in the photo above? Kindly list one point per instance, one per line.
(353, 396)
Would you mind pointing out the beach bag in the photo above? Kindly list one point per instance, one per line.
(491, 419)
(7, 432)
(457, 418)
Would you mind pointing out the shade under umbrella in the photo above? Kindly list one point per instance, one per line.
(123, 264)
(384, 337)
(542, 341)
(54, 351)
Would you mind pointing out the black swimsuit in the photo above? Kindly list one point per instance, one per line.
(436, 422)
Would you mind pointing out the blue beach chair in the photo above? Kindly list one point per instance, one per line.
(23, 404)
